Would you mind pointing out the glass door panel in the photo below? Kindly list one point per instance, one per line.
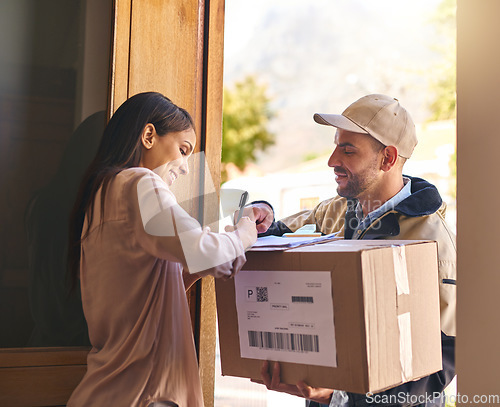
(54, 69)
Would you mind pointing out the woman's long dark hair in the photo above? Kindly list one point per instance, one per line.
(120, 148)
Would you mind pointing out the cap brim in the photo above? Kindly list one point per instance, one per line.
(339, 121)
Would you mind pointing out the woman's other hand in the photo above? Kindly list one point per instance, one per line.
(246, 230)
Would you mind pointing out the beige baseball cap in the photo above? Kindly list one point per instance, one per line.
(380, 116)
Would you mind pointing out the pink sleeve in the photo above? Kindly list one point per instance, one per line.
(169, 231)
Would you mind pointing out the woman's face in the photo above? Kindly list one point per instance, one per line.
(167, 155)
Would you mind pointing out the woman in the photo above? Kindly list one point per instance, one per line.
(131, 245)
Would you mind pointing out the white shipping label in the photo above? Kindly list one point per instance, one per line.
(286, 316)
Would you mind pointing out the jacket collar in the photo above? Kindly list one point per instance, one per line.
(424, 200)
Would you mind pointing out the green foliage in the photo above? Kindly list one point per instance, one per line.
(310, 156)
(443, 84)
(445, 17)
(246, 115)
(444, 105)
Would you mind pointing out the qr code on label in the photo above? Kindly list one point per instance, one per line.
(262, 294)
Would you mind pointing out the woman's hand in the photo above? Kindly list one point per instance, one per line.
(246, 230)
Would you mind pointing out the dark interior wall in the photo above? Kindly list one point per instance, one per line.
(42, 63)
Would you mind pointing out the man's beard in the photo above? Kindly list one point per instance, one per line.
(353, 187)
(357, 183)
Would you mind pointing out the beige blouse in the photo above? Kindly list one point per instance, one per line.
(134, 298)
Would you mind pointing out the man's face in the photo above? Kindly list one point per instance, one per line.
(356, 164)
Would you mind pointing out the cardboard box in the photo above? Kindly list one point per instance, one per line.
(386, 320)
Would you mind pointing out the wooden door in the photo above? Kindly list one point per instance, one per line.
(176, 47)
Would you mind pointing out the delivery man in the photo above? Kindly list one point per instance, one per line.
(375, 136)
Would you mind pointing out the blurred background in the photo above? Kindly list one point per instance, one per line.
(285, 60)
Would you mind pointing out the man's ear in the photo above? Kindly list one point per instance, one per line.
(390, 157)
(147, 136)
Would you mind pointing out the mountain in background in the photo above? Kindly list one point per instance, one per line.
(321, 56)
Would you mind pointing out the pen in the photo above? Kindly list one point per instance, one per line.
(243, 201)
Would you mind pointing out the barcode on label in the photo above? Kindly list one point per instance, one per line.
(262, 295)
(309, 300)
(283, 341)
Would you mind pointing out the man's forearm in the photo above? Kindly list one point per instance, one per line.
(277, 228)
